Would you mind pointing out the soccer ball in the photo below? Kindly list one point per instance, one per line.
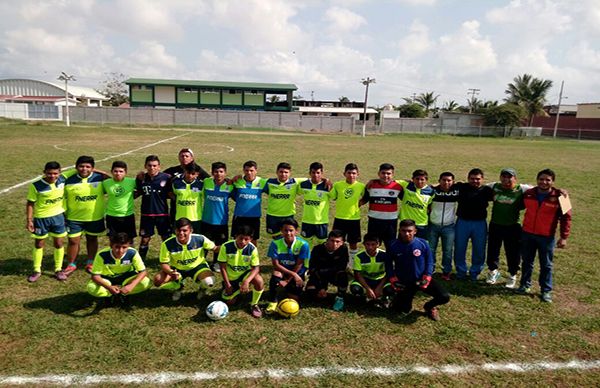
(217, 310)
(288, 308)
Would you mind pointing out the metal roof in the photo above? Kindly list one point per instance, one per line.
(211, 84)
(318, 109)
(31, 87)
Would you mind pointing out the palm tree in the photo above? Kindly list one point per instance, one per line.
(450, 106)
(528, 92)
(474, 104)
(426, 100)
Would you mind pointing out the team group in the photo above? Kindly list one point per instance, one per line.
(86, 201)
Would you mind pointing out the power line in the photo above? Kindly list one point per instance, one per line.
(473, 92)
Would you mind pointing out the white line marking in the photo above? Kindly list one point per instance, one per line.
(175, 377)
(6, 190)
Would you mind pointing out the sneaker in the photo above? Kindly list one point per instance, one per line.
(34, 277)
(271, 308)
(524, 290)
(255, 311)
(176, 296)
(216, 267)
(511, 282)
(446, 276)
(124, 302)
(338, 305)
(60, 275)
(546, 297)
(433, 314)
(69, 269)
(492, 277)
(88, 267)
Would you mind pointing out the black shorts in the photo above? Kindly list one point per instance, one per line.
(317, 230)
(322, 280)
(196, 227)
(162, 224)
(121, 225)
(274, 224)
(252, 222)
(386, 230)
(194, 272)
(351, 229)
(218, 234)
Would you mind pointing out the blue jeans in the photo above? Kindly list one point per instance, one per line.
(446, 233)
(476, 230)
(544, 246)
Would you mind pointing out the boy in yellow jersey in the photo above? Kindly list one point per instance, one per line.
(45, 217)
(281, 204)
(187, 195)
(370, 282)
(120, 193)
(240, 268)
(415, 201)
(118, 271)
(315, 211)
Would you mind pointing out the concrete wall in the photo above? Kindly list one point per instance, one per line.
(30, 111)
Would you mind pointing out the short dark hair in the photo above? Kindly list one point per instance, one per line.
(314, 166)
(180, 223)
(191, 168)
(546, 171)
(151, 158)
(244, 230)
(250, 163)
(336, 233)
(371, 237)
(85, 159)
(417, 173)
(351, 166)
(120, 238)
(118, 164)
(288, 221)
(408, 222)
(386, 166)
(52, 166)
(284, 165)
(475, 171)
(218, 165)
(447, 173)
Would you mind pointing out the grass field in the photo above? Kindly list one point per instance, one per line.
(52, 328)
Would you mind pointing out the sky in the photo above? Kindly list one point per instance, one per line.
(324, 47)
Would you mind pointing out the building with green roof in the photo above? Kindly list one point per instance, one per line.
(166, 93)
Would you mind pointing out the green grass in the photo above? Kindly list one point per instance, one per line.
(52, 327)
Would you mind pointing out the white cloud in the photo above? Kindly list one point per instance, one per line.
(416, 42)
(466, 51)
(343, 20)
(418, 2)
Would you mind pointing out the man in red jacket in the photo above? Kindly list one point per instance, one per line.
(543, 212)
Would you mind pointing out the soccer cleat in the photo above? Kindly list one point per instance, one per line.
(255, 311)
(215, 267)
(60, 275)
(433, 314)
(511, 282)
(492, 277)
(524, 290)
(271, 308)
(124, 302)
(88, 267)
(338, 305)
(34, 277)
(546, 297)
(446, 276)
(69, 269)
(176, 296)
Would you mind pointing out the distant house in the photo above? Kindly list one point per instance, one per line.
(47, 93)
(334, 108)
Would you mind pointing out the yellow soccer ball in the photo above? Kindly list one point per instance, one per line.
(288, 308)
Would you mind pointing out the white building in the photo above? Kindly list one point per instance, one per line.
(26, 90)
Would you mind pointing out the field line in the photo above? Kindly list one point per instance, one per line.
(8, 189)
(309, 372)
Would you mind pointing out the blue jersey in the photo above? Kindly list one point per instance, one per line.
(248, 197)
(409, 262)
(154, 191)
(216, 202)
(289, 256)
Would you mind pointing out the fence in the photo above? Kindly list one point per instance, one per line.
(30, 111)
(441, 126)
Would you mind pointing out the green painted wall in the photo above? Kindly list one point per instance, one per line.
(254, 99)
(184, 97)
(210, 98)
(141, 95)
(232, 99)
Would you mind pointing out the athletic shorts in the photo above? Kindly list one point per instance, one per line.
(373, 283)
(161, 223)
(196, 227)
(49, 226)
(124, 224)
(235, 285)
(216, 233)
(119, 280)
(314, 230)
(322, 281)
(351, 229)
(91, 228)
(194, 272)
(253, 222)
(274, 224)
(386, 230)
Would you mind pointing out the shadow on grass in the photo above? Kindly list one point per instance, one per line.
(471, 289)
(19, 266)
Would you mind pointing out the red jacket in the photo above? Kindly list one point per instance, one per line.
(542, 218)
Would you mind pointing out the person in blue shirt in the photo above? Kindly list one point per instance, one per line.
(247, 194)
(409, 268)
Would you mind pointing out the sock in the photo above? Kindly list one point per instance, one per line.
(37, 255)
(59, 255)
(273, 288)
(255, 296)
(143, 251)
(353, 253)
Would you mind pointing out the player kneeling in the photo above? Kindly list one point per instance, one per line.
(240, 268)
(369, 273)
(118, 271)
(183, 256)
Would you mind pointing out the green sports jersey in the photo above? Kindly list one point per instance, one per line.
(370, 267)
(507, 204)
(84, 198)
(347, 197)
(282, 197)
(315, 209)
(120, 196)
(239, 261)
(188, 199)
(415, 202)
(105, 264)
(47, 198)
(188, 256)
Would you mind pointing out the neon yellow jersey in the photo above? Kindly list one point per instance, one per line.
(370, 267)
(47, 198)
(119, 196)
(188, 256)
(188, 199)
(84, 197)
(238, 261)
(105, 264)
(415, 202)
(282, 197)
(315, 208)
(347, 197)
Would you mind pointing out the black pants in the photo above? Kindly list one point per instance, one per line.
(403, 300)
(320, 279)
(275, 290)
(511, 237)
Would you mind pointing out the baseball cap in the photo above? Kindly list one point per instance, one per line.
(186, 150)
(508, 171)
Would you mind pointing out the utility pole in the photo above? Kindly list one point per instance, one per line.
(473, 93)
(414, 97)
(64, 77)
(312, 95)
(366, 82)
(560, 97)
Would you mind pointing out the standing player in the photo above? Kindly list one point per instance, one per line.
(247, 194)
(415, 199)
(347, 195)
(183, 256)
(84, 199)
(289, 255)
(240, 268)
(187, 193)
(154, 189)
(409, 270)
(543, 213)
(281, 204)
(369, 271)
(315, 213)
(45, 217)
(120, 191)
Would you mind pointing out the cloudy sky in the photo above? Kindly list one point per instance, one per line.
(324, 47)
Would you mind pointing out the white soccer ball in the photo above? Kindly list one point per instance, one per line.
(217, 310)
